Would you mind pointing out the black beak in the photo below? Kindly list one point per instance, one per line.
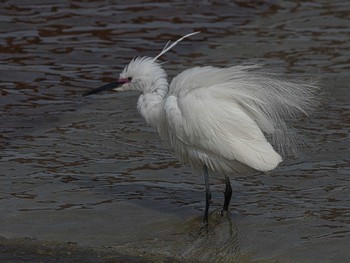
(109, 86)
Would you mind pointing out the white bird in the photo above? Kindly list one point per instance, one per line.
(224, 120)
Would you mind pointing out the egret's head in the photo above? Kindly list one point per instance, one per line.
(143, 74)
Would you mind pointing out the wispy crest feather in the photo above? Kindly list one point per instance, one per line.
(167, 47)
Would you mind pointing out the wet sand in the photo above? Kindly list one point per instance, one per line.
(22, 250)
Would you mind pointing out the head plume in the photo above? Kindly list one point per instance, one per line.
(167, 47)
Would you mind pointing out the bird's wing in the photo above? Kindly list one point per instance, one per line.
(219, 128)
(218, 125)
(223, 112)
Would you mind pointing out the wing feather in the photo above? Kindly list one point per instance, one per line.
(219, 131)
(218, 116)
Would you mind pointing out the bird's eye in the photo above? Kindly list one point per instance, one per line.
(129, 79)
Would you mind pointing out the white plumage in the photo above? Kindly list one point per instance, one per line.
(209, 123)
(227, 120)
(218, 116)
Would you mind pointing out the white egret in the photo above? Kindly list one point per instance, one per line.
(224, 120)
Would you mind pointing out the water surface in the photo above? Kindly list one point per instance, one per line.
(89, 170)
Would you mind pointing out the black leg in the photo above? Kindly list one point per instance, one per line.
(228, 194)
(207, 194)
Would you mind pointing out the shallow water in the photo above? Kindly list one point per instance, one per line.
(89, 170)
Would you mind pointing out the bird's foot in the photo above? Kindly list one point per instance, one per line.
(205, 220)
(223, 212)
(204, 228)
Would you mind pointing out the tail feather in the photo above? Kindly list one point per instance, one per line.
(273, 100)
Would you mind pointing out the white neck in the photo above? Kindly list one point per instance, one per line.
(151, 104)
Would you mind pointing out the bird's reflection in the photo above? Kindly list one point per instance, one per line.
(215, 242)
